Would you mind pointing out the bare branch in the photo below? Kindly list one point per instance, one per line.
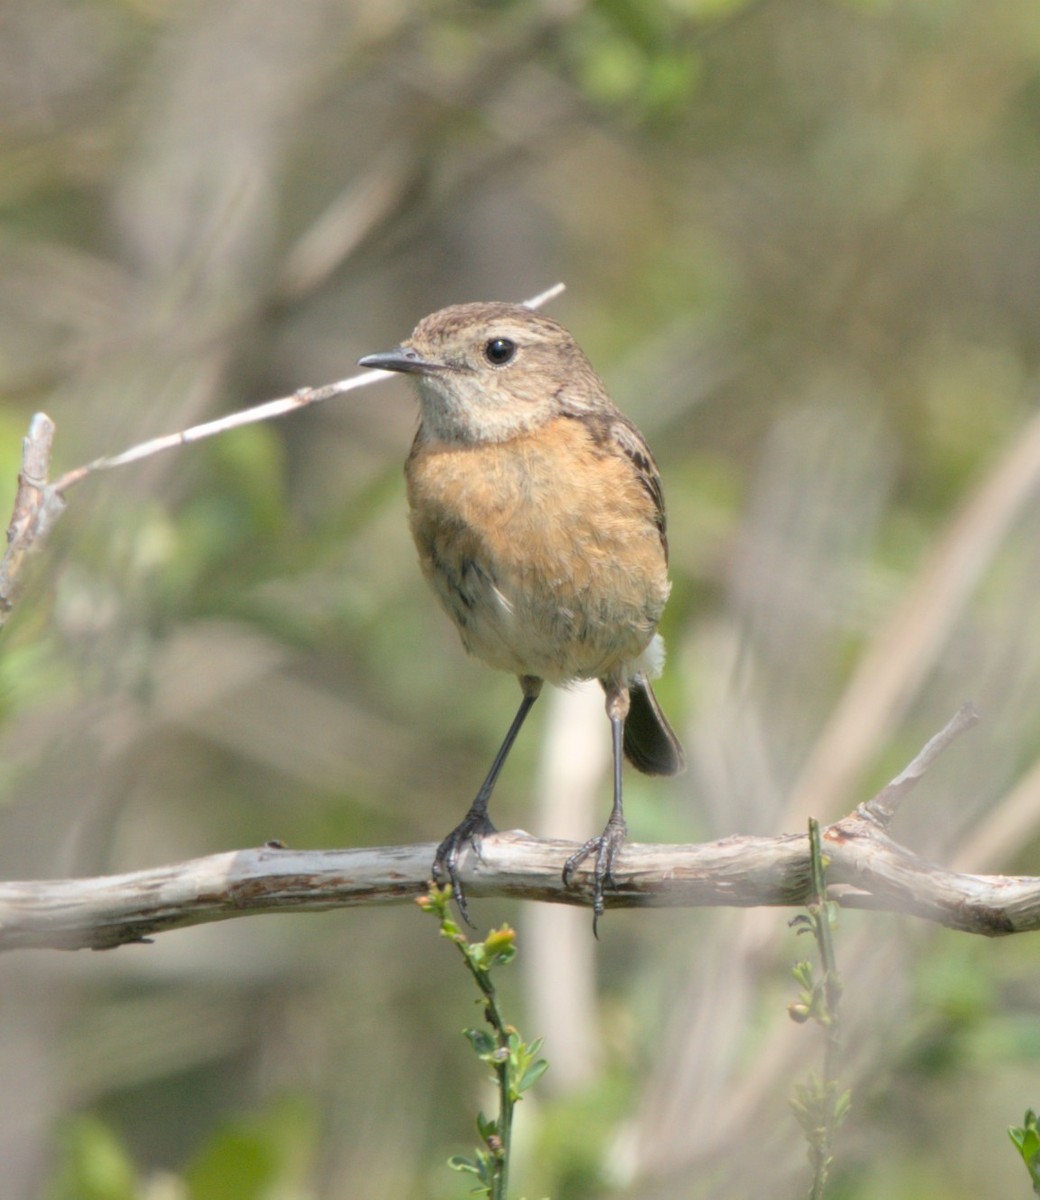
(883, 807)
(36, 508)
(900, 656)
(38, 504)
(196, 433)
(543, 298)
(865, 870)
(267, 411)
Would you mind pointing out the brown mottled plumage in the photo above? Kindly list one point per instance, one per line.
(537, 511)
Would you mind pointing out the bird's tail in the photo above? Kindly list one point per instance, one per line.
(650, 744)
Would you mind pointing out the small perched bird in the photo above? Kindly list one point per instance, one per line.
(537, 511)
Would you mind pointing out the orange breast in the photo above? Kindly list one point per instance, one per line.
(544, 550)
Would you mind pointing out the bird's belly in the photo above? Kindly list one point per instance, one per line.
(549, 632)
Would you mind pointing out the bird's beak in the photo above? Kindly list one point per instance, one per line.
(401, 358)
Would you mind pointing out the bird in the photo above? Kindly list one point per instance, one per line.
(538, 514)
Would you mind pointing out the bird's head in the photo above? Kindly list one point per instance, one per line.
(489, 371)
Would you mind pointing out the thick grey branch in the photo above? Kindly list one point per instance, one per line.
(865, 870)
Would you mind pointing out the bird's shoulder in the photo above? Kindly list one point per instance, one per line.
(612, 433)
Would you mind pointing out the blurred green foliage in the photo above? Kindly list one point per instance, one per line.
(92, 1165)
(258, 1158)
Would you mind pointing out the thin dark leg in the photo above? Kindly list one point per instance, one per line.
(610, 841)
(476, 822)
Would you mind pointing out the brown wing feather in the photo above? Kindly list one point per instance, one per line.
(625, 435)
(611, 428)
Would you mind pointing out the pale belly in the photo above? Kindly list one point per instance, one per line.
(522, 622)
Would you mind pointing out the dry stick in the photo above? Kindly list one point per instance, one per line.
(866, 869)
(38, 504)
(36, 508)
(901, 654)
(247, 416)
(883, 807)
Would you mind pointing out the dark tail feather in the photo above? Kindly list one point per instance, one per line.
(650, 744)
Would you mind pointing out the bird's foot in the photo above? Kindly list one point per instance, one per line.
(606, 847)
(473, 826)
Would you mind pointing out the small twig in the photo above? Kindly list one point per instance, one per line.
(38, 504)
(827, 910)
(543, 298)
(892, 670)
(247, 416)
(36, 507)
(818, 1105)
(515, 1064)
(883, 807)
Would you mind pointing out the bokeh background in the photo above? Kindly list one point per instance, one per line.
(801, 242)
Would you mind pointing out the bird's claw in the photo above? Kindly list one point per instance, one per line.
(606, 847)
(473, 826)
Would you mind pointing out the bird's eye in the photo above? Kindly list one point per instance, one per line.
(499, 351)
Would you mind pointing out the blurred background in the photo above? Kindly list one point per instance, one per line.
(801, 243)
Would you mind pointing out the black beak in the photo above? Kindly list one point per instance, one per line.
(401, 358)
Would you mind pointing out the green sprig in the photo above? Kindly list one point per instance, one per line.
(818, 1104)
(515, 1065)
(1027, 1141)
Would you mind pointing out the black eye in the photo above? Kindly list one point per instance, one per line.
(499, 351)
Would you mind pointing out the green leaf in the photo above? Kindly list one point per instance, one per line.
(500, 945)
(1027, 1141)
(481, 1041)
(803, 973)
(463, 1165)
(531, 1076)
(94, 1164)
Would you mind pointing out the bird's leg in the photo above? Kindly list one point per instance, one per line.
(476, 822)
(610, 841)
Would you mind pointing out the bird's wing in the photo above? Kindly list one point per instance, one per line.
(632, 444)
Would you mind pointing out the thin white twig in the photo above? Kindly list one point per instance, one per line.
(38, 503)
(543, 298)
(247, 416)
